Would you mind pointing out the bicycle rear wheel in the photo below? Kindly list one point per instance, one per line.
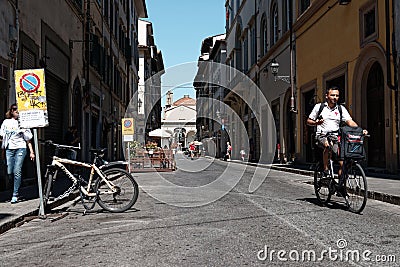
(125, 194)
(356, 188)
(321, 185)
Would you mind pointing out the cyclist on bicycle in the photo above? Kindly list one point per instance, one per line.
(328, 122)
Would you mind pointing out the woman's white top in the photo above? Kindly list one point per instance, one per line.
(13, 136)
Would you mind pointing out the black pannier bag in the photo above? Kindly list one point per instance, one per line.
(352, 142)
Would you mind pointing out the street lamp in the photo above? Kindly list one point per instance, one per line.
(274, 69)
(287, 79)
(139, 104)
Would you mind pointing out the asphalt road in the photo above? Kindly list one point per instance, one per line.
(280, 224)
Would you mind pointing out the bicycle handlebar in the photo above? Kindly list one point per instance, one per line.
(51, 143)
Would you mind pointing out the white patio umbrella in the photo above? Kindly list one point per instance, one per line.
(160, 133)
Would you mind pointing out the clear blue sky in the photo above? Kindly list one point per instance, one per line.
(179, 27)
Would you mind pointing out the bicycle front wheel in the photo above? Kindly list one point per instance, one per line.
(321, 185)
(122, 196)
(356, 188)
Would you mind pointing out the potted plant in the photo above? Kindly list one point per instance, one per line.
(132, 148)
(150, 146)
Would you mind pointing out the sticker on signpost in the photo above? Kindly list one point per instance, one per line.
(31, 98)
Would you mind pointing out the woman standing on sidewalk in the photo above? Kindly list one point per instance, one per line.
(15, 141)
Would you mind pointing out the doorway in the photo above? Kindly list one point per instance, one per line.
(308, 131)
(376, 117)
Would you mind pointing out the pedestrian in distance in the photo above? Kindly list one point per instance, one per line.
(327, 118)
(72, 139)
(192, 148)
(15, 142)
(242, 154)
(228, 151)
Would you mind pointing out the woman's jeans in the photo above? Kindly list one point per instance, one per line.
(15, 159)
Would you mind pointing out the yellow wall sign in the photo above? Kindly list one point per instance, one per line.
(31, 98)
(128, 126)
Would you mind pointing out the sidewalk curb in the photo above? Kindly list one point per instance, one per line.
(16, 221)
(20, 219)
(391, 199)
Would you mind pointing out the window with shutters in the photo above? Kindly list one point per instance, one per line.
(245, 53)
(57, 62)
(253, 40)
(264, 36)
(303, 5)
(368, 20)
(28, 59)
(274, 24)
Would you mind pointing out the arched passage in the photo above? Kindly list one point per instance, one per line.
(369, 76)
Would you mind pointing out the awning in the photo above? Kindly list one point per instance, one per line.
(160, 133)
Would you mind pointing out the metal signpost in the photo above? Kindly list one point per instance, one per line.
(31, 99)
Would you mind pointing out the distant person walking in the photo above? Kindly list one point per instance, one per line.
(242, 154)
(192, 148)
(228, 151)
(15, 141)
(72, 139)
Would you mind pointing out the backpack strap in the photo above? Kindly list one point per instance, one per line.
(340, 112)
(321, 107)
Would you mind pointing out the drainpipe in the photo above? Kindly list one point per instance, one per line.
(389, 69)
(14, 59)
(88, 89)
(292, 84)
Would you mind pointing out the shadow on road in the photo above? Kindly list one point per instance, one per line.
(331, 205)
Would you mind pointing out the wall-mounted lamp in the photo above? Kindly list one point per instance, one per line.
(274, 69)
(344, 2)
(139, 103)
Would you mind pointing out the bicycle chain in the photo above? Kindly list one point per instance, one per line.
(68, 191)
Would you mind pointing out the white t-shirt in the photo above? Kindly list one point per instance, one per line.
(331, 118)
(13, 136)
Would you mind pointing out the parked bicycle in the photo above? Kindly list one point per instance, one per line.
(354, 183)
(114, 189)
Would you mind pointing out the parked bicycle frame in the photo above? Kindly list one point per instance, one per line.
(113, 189)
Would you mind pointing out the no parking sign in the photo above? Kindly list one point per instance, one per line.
(128, 129)
(31, 98)
(32, 106)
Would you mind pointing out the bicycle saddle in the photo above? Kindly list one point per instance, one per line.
(98, 151)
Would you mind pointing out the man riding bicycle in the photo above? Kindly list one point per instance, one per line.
(327, 118)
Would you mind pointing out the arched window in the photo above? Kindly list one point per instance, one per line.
(245, 52)
(264, 37)
(274, 23)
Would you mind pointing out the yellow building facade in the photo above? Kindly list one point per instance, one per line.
(345, 46)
